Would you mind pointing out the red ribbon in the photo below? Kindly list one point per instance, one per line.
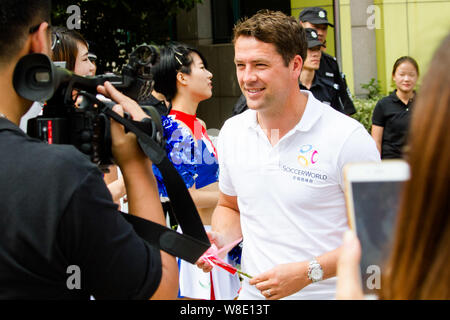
(211, 256)
(219, 262)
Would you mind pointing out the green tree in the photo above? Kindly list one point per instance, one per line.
(115, 27)
(364, 107)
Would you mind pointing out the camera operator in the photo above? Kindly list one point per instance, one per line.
(57, 214)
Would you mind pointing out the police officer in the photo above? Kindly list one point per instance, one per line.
(316, 18)
(323, 89)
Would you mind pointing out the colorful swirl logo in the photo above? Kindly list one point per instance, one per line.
(307, 155)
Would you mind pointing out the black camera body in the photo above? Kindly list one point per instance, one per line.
(86, 128)
(72, 113)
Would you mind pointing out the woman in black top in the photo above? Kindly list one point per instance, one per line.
(391, 115)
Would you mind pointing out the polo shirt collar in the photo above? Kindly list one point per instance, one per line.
(313, 111)
(396, 99)
(251, 119)
(394, 96)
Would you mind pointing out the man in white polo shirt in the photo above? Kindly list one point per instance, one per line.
(281, 168)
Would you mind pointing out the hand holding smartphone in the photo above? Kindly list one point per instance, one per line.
(372, 193)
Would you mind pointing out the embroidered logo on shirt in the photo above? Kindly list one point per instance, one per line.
(307, 155)
(308, 169)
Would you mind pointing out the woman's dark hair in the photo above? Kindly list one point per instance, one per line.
(65, 46)
(174, 58)
(409, 59)
(419, 264)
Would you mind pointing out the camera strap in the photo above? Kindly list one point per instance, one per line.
(193, 242)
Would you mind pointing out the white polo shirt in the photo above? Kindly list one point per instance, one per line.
(290, 195)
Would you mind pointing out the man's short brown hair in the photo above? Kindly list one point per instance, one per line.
(275, 27)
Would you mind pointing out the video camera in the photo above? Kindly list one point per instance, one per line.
(85, 124)
(72, 113)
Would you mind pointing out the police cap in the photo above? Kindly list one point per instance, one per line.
(312, 38)
(314, 15)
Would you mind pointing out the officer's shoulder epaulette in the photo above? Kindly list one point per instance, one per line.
(328, 56)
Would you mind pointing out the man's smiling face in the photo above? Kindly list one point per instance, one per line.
(261, 73)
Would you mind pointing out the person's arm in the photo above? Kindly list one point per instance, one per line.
(143, 201)
(377, 135)
(115, 184)
(140, 183)
(117, 189)
(226, 225)
(226, 219)
(112, 175)
(286, 279)
(346, 96)
(205, 197)
(378, 124)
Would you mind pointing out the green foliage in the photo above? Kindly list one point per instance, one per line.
(373, 88)
(118, 26)
(364, 109)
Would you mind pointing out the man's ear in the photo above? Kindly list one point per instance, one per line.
(297, 65)
(40, 40)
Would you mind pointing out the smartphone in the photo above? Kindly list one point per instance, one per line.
(372, 193)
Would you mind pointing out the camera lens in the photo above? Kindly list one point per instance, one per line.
(146, 55)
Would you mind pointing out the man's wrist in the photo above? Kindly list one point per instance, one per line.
(315, 271)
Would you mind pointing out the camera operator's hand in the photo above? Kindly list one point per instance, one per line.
(128, 104)
(124, 145)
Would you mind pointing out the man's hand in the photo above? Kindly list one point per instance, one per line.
(128, 104)
(226, 222)
(124, 145)
(219, 241)
(282, 281)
